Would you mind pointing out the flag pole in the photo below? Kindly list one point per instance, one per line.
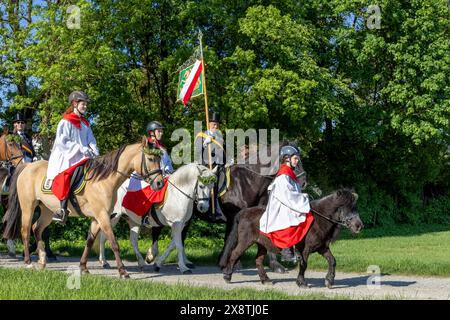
(200, 35)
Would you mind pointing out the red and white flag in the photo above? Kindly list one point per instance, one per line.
(190, 82)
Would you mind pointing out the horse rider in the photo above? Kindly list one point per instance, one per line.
(26, 143)
(287, 205)
(212, 139)
(74, 145)
(29, 155)
(155, 132)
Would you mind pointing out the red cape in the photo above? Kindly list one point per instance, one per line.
(289, 237)
(75, 120)
(141, 201)
(285, 169)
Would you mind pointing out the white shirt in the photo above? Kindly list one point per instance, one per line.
(284, 194)
(70, 146)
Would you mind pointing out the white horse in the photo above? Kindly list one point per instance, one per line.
(190, 183)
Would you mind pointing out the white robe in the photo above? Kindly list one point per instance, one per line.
(68, 147)
(278, 215)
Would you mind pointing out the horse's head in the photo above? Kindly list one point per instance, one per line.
(149, 167)
(10, 150)
(205, 183)
(347, 210)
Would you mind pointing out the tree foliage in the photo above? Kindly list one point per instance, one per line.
(368, 106)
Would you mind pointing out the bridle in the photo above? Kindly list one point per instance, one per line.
(196, 199)
(146, 173)
(344, 222)
(8, 160)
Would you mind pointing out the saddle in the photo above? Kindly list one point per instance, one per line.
(77, 184)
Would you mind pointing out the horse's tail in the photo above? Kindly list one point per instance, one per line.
(12, 218)
(230, 243)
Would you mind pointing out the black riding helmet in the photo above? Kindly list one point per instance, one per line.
(152, 126)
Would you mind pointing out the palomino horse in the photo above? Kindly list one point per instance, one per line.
(10, 156)
(190, 183)
(330, 213)
(104, 174)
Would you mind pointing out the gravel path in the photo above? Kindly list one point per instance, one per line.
(353, 285)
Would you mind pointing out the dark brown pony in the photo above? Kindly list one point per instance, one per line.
(330, 213)
(248, 188)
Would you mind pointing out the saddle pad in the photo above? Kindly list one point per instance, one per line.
(47, 189)
(224, 181)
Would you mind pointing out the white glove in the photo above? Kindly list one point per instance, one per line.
(87, 152)
(207, 141)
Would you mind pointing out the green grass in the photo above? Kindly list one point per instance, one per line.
(26, 284)
(409, 250)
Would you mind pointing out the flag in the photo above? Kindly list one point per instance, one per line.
(190, 82)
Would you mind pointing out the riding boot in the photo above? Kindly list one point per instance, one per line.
(61, 214)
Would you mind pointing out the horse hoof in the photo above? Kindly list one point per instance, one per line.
(187, 272)
(156, 268)
(29, 266)
(227, 278)
(85, 271)
(328, 284)
(190, 265)
(106, 265)
(303, 285)
(267, 282)
(40, 266)
(125, 276)
(149, 260)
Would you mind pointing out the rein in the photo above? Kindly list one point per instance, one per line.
(342, 223)
(196, 199)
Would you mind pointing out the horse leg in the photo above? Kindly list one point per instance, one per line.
(177, 229)
(160, 260)
(11, 248)
(274, 264)
(329, 279)
(46, 237)
(134, 236)
(152, 252)
(41, 224)
(101, 255)
(262, 251)
(102, 240)
(94, 229)
(189, 264)
(234, 258)
(27, 216)
(105, 224)
(303, 264)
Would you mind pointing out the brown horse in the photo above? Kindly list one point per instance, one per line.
(104, 174)
(10, 151)
(10, 156)
(330, 213)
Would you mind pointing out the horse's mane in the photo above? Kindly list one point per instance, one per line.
(102, 167)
